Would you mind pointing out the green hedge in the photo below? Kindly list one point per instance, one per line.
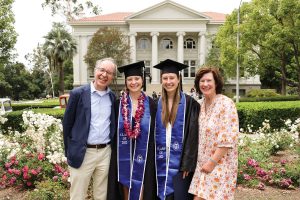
(255, 113)
(275, 98)
(23, 106)
(15, 120)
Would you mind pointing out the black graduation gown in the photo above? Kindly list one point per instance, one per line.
(115, 190)
(190, 152)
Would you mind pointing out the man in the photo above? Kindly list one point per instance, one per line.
(89, 124)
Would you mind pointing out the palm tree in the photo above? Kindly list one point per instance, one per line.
(59, 47)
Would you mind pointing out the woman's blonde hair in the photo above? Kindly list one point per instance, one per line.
(166, 115)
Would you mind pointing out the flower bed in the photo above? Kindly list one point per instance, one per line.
(270, 157)
(34, 156)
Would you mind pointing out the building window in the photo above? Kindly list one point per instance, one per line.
(143, 43)
(189, 44)
(147, 67)
(167, 43)
(242, 92)
(191, 70)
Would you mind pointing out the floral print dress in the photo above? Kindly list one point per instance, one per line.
(218, 127)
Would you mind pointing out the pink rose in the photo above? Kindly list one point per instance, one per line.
(41, 156)
(34, 172)
(55, 178)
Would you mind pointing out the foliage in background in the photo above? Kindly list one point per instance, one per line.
(8, 39)
(269, 41)
(22, 84)
(261, 93)
(71, 9)
(41, 72)
(8, 36)
(107, 42)
(59, 47)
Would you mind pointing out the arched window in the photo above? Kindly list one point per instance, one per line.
(144, 43)
(167, 43)
(189, 43)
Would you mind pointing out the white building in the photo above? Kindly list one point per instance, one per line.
(165, 30)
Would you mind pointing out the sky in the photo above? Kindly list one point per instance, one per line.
(32, 22)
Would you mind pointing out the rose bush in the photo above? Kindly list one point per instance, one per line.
(34, 155)
(258, 164)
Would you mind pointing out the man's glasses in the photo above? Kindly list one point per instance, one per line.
(102, 70)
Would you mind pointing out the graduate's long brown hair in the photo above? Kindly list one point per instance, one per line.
(166, 115)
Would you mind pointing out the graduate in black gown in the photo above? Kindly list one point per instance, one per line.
(176, 135)
(132, 166)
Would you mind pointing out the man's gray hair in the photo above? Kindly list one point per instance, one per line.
(101, 61)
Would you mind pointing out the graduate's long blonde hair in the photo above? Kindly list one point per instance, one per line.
(166, 115)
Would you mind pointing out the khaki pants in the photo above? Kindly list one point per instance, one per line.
(95, 164)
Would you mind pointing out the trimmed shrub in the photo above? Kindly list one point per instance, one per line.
(261, 93)
(277, 112)
(49, 190)
(14, 122)
(275, 98)
(24, 106)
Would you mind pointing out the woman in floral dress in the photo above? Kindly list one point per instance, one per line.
(133, 155)
(216, 172)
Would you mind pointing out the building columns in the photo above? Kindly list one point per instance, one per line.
(155, 72)
(180, 51)
(202, 48)
(76, 64)
(132, 39)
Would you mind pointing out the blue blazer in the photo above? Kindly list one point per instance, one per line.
(76, 123)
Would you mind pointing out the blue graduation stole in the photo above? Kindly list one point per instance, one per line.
(131, 171)
(166, 170)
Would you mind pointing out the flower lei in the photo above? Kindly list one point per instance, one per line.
(135, 132)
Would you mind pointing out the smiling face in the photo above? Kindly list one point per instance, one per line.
(104, 74)
(134, 83)
(207, 85)
(170, 82)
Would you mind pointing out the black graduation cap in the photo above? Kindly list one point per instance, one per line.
(170, 66)
(134, 69)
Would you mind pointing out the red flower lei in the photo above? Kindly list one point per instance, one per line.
(135, 132)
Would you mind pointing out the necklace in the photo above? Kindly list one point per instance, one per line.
(135, 132)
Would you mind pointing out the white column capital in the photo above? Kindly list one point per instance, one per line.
(202, 33)
(154, 33)
(180, 33)
(134, 34)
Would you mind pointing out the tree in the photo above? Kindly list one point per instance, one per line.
(8, 39)
(8, 36)
(40, 71)
(70, 8)
(213, 58)
(269, 40)
(59, 47)
(5, 87)
(107, 42)
(21, 82)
